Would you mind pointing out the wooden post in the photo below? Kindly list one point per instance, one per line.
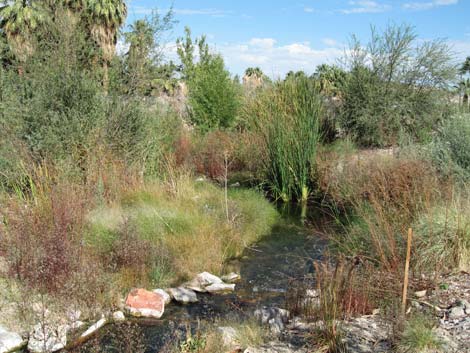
(407, 267)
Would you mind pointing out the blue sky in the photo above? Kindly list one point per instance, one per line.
(283, 35)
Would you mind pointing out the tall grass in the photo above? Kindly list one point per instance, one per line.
(288, 118)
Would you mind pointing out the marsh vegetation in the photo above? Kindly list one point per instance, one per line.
(122, 170)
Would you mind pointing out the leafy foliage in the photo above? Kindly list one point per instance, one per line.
(288, 118)
(396, 87)
(213, 96)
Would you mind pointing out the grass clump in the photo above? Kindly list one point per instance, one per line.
(188, 229)
(287, 117)
(449, 149)
(443, 237)
(418, 336)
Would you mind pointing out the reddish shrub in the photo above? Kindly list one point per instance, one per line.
(42, 239)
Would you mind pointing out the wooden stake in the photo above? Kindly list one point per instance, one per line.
(407, 267)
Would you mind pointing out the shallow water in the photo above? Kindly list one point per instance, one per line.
(267, 270)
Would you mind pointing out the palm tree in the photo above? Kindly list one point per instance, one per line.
(104, 18)
(465, 66)
(141, 42)
(331, 79)
(18, 20)
(254, 72)
(465, 89)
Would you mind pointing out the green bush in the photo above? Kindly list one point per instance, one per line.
(419, 336)
(442, 236)
(213, 96)
(140, 133)
(450, 150)
(396, 87)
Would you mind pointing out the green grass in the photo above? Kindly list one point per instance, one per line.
(419, 337)
(188, 231)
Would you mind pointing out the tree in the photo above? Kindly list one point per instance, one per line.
(213, 96)
(185, 50)
(19, 19)
(465, 69)
(331, 79)
(397, 87)
(145, 51)
(104, 18)
(254, 72)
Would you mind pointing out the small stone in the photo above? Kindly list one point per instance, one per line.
(311, 293)
(220, 287)
(231, 277)
(164, 294)
(420, 294)
(456, 312)
(93, 328)
(229, 335)
(118, 316)
(45, 338)
(10, 341)
(183, 295)
(201, 281)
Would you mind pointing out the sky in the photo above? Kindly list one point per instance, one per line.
(283, 35)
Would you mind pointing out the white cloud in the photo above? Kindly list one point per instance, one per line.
(309, 9)
(366, 6)
(141, 10)
(428, 5)
(461, 48)
(276, 60)
(330, 42)
(263, 43)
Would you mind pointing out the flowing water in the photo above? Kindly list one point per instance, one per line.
(267, 270)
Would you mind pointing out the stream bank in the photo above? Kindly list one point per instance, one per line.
(267, 269)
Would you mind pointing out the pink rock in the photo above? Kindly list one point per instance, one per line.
(141, 302)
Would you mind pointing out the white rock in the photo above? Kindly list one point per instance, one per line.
(164, 294)
(10, 341)
(45, 339)
(93, 328)
(118, 316)
(456, 312)
(145, 312)
(420, 294)
(312, 293)
(220, 287)
(201, 281)
(231, 277)
(73, 315)
(75, 325)
(276, 318)
(229, 335)
(183, 295)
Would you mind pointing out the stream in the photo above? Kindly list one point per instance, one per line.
(267, 270)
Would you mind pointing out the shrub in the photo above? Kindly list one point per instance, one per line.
(43, 246)
(383, 195)
(140, 134)
(396, 87)
(214, 98)
(418, 336)
(449, 150)
(442, 237)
